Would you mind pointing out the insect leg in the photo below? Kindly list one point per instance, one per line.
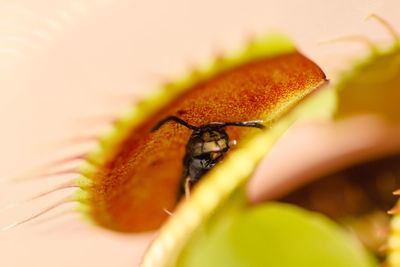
(175, 119)
(168, 212)
(255, 124)
(187, 188)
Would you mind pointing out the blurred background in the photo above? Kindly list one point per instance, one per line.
(68, 67)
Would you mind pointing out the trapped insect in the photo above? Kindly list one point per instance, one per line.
(206, 147)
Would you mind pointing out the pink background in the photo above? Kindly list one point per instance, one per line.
(64, 65)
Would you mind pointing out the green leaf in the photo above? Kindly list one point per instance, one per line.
(372, 87)
(272, 234)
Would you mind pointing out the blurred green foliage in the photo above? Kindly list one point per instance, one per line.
(272, 234)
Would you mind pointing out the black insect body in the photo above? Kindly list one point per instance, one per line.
(205, 148)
